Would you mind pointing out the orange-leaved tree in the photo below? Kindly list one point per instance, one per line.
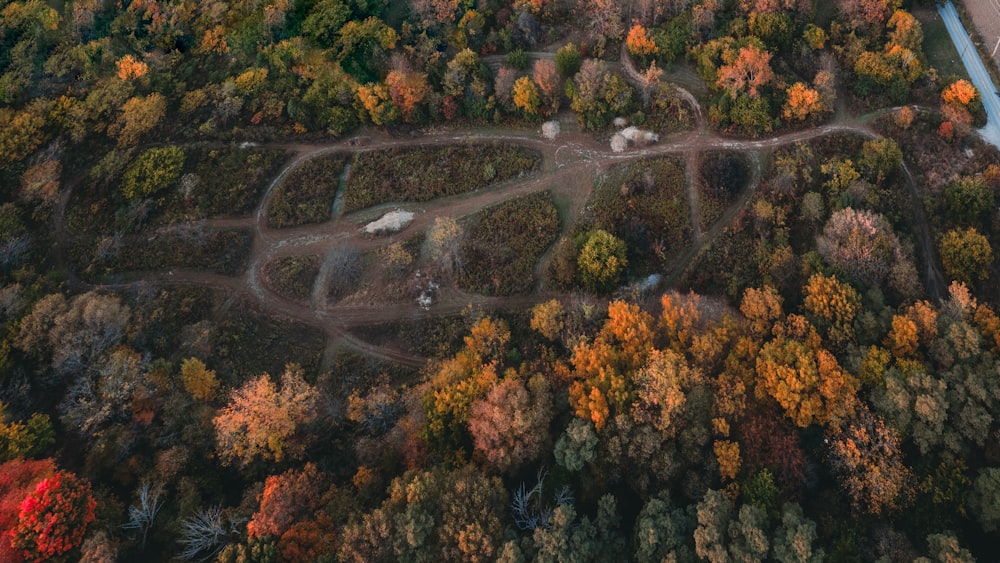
(639, 43)
(263, 421)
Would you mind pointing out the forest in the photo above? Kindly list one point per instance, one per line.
(495, 280)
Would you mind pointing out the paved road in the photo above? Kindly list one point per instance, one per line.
(977, 71)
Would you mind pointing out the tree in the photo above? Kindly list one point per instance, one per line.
(198, 380)
(748, 71)
(525, 96)
(264, 422)
(806, 381)
(639, 43)
(509, 426)
(969, 199)
(435, 12)
(18, 478)
(959, 93)
(130, 68)
(866, 458)
(966, 255)
(53, 519)
(601, 260)
(295, 495)
(407, 90)
(154, 171)
(794, 538)
(661, 390)
(547, 319)
(547, 78)
(762, 307)
(444, 240)
(325, 20)
(723, 536)
(803, 103)
(861, 243)
(832, 305)
(662, 532)
(568, 60)
(881, 159)
(28, 438)
(139, 115)
(984, 499)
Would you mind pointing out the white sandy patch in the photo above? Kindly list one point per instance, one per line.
(391, 222)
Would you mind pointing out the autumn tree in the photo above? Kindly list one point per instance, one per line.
(444, 242)
(407, 89)
(966, 255)
(40, 182)
(832, 305)
(805, 379)
(198, 380)
(509, 426)
(293, 496)
(130, 68)
(662, 386)
(984, 500)
(747, 70)
(139, 115)
(601, 260)
(18, 478)
(861, 243)
(795, 538)
(639, 43)
(263, 421)
(762, 307)
(435, 12)
(866, 458)
(802, 103)
(376, 104)
(662, 532)
(53, 519)
(547, 79)
(525, 96)
(547, 319)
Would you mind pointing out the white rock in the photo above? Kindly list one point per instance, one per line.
(391, 222)
(550, 129)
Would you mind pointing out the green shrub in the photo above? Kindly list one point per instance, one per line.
(154, 171)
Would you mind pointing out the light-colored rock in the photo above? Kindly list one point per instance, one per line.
(550, 129)
(391, 222)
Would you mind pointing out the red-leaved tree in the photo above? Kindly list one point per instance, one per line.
(18, 478)
(54, 517)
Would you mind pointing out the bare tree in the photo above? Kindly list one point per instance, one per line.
(528, 510)
(204, 534)
(141, 516)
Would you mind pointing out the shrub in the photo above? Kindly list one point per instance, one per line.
(601, 260)
(153, 171)
(293, 275)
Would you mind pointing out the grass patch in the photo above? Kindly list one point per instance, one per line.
(425, 173)
(938, 47)
(292, 276)
(306, 195)
(721, 177)
(645, 205)
(503, 244)
(223, 252)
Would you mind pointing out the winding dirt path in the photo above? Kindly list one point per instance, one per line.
(569, 166)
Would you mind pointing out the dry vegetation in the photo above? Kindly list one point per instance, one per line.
(425, 173)
(307, 193)
(503, 244)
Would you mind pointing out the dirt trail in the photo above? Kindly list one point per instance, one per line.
(568, 170)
